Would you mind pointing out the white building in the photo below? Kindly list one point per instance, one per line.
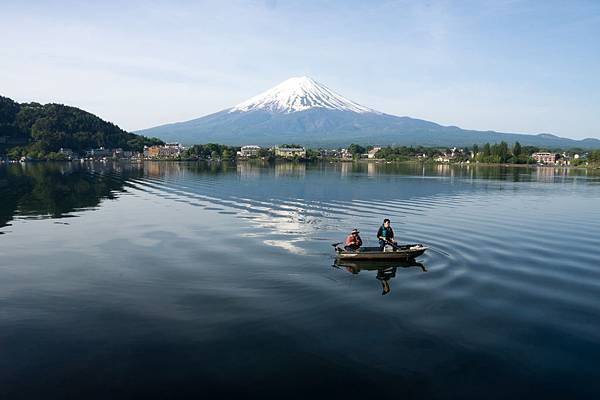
(545, 158)
(290, 152)
(170, 150)
(249, 151)
(371, 153)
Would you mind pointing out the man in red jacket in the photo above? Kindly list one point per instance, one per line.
(353, 241)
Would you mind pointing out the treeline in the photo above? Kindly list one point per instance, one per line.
(500, 153)
(594, 157)
(40, 130)
(497, 153)
(210, 151)
(403, 153)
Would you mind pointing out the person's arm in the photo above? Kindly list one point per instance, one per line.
(359, 241)
(379, 232)
(391, 233)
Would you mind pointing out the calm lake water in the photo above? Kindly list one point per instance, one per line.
(172, 280)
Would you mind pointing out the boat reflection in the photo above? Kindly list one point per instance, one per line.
(385, 269)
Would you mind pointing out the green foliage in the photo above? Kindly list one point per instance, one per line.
(15, 153)
(499, 153)
(356, 150)
(8, 116)
(529, 150)
(517, 150)
(403, 153)
(210, 151)
(44, 129)
(594, 157)
(487, 150)
(312, 154)
(266, 153)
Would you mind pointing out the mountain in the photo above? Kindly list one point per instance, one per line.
(301, 110)
(39, 129)
(299, 94)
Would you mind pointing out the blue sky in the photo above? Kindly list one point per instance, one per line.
(511, 66)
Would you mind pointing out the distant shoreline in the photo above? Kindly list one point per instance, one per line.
(329, 161)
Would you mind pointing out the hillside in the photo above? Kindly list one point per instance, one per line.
(38, 130)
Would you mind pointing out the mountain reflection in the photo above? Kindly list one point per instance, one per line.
(385, 270)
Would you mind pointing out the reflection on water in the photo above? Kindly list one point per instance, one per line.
(45, 190)
(385, 270)
(184, 275)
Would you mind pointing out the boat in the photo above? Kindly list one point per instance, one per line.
(399, 253)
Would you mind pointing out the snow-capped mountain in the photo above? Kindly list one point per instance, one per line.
(300, 110)
(299, 94)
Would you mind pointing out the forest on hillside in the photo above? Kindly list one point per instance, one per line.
(40, 130)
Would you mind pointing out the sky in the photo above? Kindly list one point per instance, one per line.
(503, 65)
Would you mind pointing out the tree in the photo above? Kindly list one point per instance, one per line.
(487, 150)
(517, 149)
(503, 151)
(44, 129)
(356, 149)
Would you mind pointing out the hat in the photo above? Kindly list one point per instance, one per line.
(354, 231)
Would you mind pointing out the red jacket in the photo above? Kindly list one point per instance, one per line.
(352, 240)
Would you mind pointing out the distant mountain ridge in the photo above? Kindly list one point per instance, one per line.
(304, 111)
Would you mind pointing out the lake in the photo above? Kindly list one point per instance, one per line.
(173, 280)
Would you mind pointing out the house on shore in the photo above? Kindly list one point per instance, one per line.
(98, 153)
(371, 153)
(66, 152)
(544, 157)
(249, 150)
(290, 152)
(169, 150)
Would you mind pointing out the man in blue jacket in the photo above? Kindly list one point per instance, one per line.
(385, 234)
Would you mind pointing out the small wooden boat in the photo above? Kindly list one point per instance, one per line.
(403, 252)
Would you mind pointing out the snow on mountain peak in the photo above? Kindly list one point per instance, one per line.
(299, 94)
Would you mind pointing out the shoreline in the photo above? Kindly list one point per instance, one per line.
(360, 161)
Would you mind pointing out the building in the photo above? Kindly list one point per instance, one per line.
(544, 158)
(66, 152)
(290, 152)
(371, 153)
(167, 151)
(120, 153)
(249, 151)
(345, 154)
(98, 153)
(170, 150)
(151, 151)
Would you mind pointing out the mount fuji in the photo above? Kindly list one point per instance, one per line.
(303, 111)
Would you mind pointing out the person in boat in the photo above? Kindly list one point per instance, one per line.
(385, 234)
(353, 241)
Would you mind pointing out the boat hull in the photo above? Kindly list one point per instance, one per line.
(408, 252)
